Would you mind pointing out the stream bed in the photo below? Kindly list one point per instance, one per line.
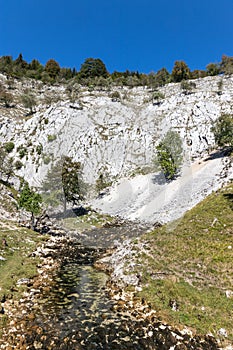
(73, 310)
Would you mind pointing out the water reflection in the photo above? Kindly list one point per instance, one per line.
(77, 301)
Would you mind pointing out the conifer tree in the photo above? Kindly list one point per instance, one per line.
(93, 67)
(64, 182)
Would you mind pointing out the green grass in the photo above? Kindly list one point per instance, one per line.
(18, 261)
(193, 264)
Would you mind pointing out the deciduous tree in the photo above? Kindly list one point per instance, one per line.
(52, 68)
(226, 65)
(72, 180)
(30, 201)
(223, 130)
(180, 71)
(170, 154)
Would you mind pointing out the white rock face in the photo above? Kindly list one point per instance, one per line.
(118, 138)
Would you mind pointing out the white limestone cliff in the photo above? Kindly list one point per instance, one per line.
(115, 138)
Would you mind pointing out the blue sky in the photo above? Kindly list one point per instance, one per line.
(143, 35)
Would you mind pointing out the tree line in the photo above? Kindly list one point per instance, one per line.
(94, 72)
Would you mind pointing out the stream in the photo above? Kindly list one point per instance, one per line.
(78, 314)
(74, 311)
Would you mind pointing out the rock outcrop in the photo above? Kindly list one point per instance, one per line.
(109, 137)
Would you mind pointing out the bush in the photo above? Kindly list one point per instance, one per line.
(6, 98)
(39, 149)
(115, 96)
(22, 151)
(213, 69)
(46, 159)
(9, 146)
(18, 165)
(102, 182)
(51, 138)
(187, 86)
(29, 101)
(223, 130)
(157, 97)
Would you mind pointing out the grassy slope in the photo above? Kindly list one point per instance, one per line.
(191, 262)
(16, 261)
(18, 264)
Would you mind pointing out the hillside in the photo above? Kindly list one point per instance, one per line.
(111, 137)
(182, 269)
(116, 137)
(151, 198)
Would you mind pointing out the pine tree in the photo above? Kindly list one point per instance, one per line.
(72, 180)
(93, 67)
(64, 182)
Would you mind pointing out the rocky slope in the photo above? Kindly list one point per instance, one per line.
(117, 138)
(150, 198)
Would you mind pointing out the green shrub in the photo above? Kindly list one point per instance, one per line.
(52, 138)
(115, 96)
(18, 165)
(39, 149)
(46, 159)
(9, 146)
(22, 151)
(157, 97)
(187, 86)
(223, 130)
(102, 182)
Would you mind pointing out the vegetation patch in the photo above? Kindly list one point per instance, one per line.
(87, 221)
(51, 138)
(186, 267)
(16, 260)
